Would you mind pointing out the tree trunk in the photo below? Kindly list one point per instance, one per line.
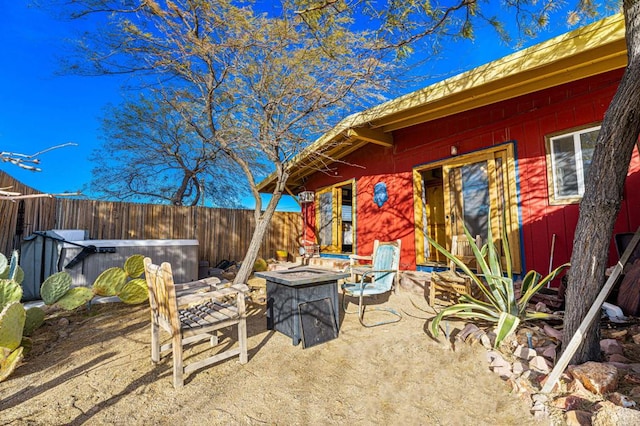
(603, 193)
(262, 223)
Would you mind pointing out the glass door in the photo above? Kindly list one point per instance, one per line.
(474, 198)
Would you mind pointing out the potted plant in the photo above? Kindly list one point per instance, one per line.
(282, 255)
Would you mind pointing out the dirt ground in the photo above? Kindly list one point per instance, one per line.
(97, 370)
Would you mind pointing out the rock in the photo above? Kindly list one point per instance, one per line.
(548, 351)
(621, 366)
(578, 418)
(610, 414)
(597, 377)
(518, 368)
(636, 339)
(575, 386)
(635, 392)
(542, 307)
(632, 378)
(63, 322)
(525, 353)
(635, 367)
(618, 358)
(611, 346)
(498, 364)
(614, 334)
(538, 338)
(552, 332)
(569, 402)
(621, 400)
(539, 364)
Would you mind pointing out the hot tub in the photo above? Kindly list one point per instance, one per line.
(182, 254)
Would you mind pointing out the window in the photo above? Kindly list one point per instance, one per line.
(335, 217)
(570, 157)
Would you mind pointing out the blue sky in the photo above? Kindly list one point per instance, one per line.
(40, 109)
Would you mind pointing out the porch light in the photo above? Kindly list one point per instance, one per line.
(454, 150)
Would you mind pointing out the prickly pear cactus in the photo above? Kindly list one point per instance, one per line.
(108, 281)
(134, 291)
(12, 320)
(134, 266)
(9, 361)
(10, 291)
(12, 270)
(75, 297)
(34, 319)
(55, 286)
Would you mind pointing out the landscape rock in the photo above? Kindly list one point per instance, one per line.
(518, 368)
(610, 414)
(538, 338)
(597, 377)
(635, 392)
(611, 346)
(621, 400)
(525, 353)
(632, 378)
(523, 384)
(569, 402)
(578, 418)
(498, 364)
(548, 351)
(540, 364)
(552, 332)
(619, 365)
(615, 334)
(619, 358)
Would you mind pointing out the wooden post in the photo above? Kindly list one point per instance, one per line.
(588, 319)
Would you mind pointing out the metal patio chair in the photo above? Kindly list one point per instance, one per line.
(379, 279)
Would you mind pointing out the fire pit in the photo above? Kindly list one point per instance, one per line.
(289, 289)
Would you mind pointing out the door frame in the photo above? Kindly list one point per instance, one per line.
(336, 215)
(508, 178)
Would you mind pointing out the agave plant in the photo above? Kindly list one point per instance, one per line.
(501, 306)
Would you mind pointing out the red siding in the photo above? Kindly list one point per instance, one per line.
(525, 121)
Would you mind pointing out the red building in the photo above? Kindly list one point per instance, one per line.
(513, 137)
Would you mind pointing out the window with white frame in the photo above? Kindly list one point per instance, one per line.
(570, 157)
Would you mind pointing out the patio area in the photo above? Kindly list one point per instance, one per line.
(96, 369)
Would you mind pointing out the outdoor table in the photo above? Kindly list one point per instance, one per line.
(290, 290)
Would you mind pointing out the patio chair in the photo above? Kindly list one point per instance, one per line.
(461, 248)
(380, 278)
(202, 314)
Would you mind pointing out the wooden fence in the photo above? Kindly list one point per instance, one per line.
(221, 233)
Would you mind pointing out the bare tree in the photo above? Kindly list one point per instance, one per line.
(150, 153)
(255, 86)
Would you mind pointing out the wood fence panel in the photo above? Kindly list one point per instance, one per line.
(223, 234)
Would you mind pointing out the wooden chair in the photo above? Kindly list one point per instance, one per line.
(206, 312)
(461, 248)
(450, 285)
(380, 278)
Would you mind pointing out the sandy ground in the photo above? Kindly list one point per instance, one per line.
(97, 370)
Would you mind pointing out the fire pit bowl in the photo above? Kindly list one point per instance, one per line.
(288, 289)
